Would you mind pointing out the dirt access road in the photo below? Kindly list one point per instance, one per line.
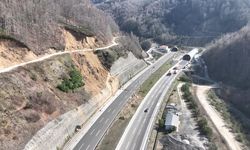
(216, 118)
(2, 70)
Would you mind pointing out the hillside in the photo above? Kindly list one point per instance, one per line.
(40, 25)
(187, 22)
(37, 97)
(228, 59)
(228, 63)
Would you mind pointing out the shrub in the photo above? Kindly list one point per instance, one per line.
(202, 123)
(33, 77)
(161, 123)
(146, 45)
(75, 81)
(184, 78)
(122, 118)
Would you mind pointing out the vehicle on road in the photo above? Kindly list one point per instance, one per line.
(146, 110)
(175, 68)
(169, 74)
(77, 128)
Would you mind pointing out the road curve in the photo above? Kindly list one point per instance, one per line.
(57, 54)
(92, 137)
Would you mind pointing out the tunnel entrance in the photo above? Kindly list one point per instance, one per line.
(186, 57)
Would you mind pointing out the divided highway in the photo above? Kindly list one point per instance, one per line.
(138, 130)
(92, 137)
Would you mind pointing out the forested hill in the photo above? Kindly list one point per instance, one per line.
(188, 22)
(40, 24)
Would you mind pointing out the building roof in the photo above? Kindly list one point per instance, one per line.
(163, 46)
(172, 119)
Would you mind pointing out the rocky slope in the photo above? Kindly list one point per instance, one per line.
(188, 22)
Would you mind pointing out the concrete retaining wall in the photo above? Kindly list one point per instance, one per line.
(126, 68)
(56, 132)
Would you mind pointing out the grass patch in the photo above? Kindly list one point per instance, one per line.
(156, 55)
(185, 78)
(81, 29)
(149, 83)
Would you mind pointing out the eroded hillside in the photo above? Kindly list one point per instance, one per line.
(29, 97)
(39, 94)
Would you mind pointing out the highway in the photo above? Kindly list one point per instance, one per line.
(139, 128)
(92, 137)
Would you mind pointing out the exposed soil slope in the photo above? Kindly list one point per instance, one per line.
(29, 97)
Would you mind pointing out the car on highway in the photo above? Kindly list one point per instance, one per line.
(175, 68)
(146, 110)
(77, 128)
(169, 74)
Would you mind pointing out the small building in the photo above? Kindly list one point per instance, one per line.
(172, 121)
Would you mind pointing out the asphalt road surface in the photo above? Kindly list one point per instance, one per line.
(136, 131)
(90, 140)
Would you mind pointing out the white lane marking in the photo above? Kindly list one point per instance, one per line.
(101, 120)
(133, 133)
(82, 145)
(144, 120)
(109, 110)
(106, 121)
(133, 146)
(139, 131)
(92, 131)
(127, 145)
(88, 147)
(98, 133)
